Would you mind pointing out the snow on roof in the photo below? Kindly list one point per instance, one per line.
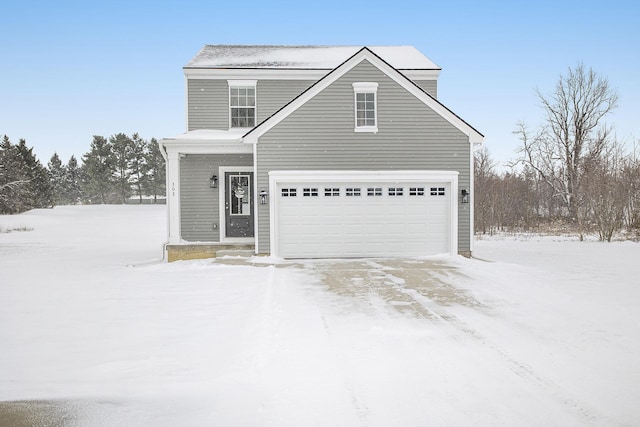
(211, 135)
(303, 57)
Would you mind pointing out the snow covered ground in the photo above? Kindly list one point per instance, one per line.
(548, 334)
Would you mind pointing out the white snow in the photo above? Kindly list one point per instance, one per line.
(549, 334)
(304, 57)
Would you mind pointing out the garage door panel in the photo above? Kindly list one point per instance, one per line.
(386, 219)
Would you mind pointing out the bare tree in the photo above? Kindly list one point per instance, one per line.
(574, 130)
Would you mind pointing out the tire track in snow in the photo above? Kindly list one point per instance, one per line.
(438, 311)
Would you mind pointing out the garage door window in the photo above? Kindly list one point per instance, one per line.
(374, 191)
(289, 192)
(437, 191)
(309, 192)
(352, 192)
(331, 192)
(395, 191)
(416, 191)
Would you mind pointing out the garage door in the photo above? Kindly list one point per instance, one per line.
(356, 219)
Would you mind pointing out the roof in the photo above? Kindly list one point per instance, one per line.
(303, 57)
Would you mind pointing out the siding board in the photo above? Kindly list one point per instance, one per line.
(199, 203)
(208, 100)
(320, 136)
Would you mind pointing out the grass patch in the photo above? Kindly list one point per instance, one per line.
(12, 229)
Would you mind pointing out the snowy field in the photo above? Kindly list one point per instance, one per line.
(93, 335)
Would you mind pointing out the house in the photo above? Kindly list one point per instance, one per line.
(318, 152)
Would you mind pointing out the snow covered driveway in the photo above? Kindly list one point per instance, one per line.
(549, 335)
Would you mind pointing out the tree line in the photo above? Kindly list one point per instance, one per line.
(112, 171)
(571, 173)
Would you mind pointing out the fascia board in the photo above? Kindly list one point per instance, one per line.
(186, 146)
(474, 136)
(363, 176)
(254, 74)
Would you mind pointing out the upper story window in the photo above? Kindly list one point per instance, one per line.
(242, 103)
(366, 100)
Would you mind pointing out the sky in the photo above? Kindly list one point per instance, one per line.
(73, 69)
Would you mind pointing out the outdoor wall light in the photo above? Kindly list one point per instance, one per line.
(213, 181)
(263, 197)
(465, 195)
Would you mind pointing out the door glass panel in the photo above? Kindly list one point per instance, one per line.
(239, 194)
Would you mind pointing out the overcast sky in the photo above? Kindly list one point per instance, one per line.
(73, 69)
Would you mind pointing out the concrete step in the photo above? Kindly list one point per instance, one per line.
(235, 252)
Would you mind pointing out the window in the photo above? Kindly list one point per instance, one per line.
(395, 191)
(352, 191)
(437, 191)
(306, 192)
(374, 191)
(366, 97)
(331, 192)
(288, 192)
(416, 191)
(242, 103)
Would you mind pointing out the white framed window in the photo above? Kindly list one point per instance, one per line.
(352, 192)
(289, 192)
(309, 192)
(366, 106)
(331, 192)
(242, 103)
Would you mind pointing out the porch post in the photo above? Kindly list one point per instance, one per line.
(173, 196)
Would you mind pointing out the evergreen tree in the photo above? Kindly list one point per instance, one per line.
(58, 174)
(40, 189)
(13, 179)
(137, 164)
(121, 148)
(155, 182)
(72, 181)
(98, 183)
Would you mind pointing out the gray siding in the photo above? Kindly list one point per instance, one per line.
(208, 104)
(208, 100)
(199, 203)
(429, 86)
(320, 136)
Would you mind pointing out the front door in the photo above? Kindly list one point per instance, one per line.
(238, 204)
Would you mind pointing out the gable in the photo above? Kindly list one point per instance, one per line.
(364, 56)
(402, 117)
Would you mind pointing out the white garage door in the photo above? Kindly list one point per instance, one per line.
(355, 219)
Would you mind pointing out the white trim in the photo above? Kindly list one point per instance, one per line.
(256, 74)
(173, 197)
(243, 84)
(277, 177)
(285, 74)
(204, 146)
(222, 197)
(364, 88)
(471, 202)
(186, 104)
(256, 198)
(395, 75)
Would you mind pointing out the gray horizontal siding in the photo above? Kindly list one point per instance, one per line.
(199, 203)
(274, 94)
(208, 100)
(208, 104)
(429, 86)
(320, 136)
